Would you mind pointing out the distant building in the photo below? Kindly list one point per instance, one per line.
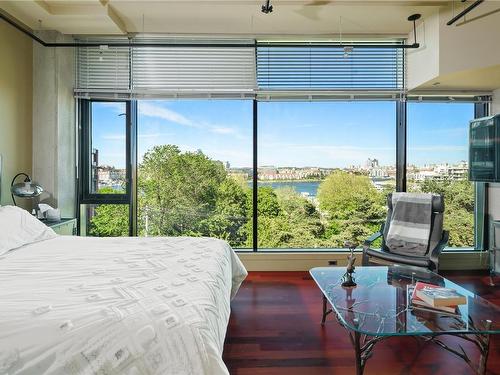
(371, 163)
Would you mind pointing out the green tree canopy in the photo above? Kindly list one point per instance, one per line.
(354, 207)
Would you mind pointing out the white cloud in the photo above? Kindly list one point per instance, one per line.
(222, 130)
(116, 107)
(155, 135)
(152, 110)
(114, 137)
(438, 148)
(156, 111)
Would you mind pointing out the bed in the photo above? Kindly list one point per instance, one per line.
(132, 306)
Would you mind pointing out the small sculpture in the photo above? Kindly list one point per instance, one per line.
(348, 279)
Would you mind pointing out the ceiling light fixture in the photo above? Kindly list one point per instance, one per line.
(267, 7)
(413, 18)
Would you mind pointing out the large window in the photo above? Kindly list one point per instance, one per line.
(322, 169)
(437, 162)
(195, 169)
(325, 169)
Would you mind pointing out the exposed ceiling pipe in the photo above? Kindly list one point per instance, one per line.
(464, 12)
(166, 44)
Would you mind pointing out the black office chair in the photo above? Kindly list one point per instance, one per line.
(438, 240)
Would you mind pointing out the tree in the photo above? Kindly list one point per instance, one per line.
(354, 207)
(230, 214)
(176, 190)
(459, 208)
(109, 220)
(187, 193)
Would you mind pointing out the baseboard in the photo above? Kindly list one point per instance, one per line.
(304, 261)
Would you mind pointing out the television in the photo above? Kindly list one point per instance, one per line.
(484, 149)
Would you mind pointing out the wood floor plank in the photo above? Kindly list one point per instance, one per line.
(274, 330)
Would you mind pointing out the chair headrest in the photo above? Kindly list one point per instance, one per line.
(437, 202)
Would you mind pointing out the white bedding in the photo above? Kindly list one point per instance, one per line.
(132, 306)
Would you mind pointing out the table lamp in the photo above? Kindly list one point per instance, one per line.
(25, 189)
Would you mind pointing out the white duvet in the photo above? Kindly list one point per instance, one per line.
(132, 306)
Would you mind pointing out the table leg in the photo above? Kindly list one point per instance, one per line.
(325, 312)
(357, 348)
(485, 350)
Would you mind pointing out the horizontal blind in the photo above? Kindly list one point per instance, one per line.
(182, 69)
(103, 68)
(322, 67)
(228, 70)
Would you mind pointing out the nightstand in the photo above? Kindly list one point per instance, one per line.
(65, 226)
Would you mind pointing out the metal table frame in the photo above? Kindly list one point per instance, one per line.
(364, 344)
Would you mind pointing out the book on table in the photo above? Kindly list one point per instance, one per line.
(438, 296)
(420, 304)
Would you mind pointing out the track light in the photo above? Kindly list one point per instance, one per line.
(267, 7)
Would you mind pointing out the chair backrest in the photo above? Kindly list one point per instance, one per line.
(436, 221)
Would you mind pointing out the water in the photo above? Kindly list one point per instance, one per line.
(308, 187)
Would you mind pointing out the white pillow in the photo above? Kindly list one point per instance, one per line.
(19, 228)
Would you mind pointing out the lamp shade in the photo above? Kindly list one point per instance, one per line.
(28, 189)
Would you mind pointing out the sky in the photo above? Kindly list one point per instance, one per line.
(322, 134)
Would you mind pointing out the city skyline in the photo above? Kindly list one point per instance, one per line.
(298, 134)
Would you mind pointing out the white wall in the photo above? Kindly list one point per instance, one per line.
(451, 54)
(54, 124)
(16, 91)
(423, 63)
(472, 45)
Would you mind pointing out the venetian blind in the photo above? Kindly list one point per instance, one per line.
(318, 66)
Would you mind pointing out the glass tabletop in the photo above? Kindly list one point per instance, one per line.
(378, 305)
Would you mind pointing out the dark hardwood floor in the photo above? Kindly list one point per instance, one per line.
(275, 330)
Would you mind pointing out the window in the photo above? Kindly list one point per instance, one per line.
(105, 156)
(105, 159)
(438, 162)
(109, 150)
(104, 220)
(325, 169)
(195, 169)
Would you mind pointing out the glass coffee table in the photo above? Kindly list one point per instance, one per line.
(377, 308)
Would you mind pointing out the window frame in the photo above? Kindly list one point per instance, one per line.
(481, 109)
(85, 196)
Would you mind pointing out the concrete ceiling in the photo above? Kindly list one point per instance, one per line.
(486, 79)
(228, 17)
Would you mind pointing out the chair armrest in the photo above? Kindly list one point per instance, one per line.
(434, 255)
(368, 242)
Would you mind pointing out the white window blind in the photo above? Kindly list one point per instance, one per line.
(103, 68)
(167, 71)
(235, 69)
(183, 69)
(322, 67)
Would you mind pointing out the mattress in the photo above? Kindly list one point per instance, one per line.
(132, 306)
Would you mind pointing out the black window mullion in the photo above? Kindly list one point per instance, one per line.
(401, 145)
(255, 173)
(132, 164)
(481, 229)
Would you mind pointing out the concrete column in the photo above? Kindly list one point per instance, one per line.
(54, 124)
(494, 189)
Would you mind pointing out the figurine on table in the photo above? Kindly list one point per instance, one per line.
(348, 279)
